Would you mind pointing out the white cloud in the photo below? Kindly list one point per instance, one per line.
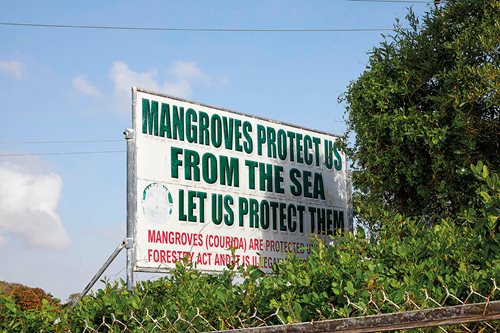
(85, 87)
(28, 202)
(179, 80)
(124, 78)
(186, 70)
(13, 68)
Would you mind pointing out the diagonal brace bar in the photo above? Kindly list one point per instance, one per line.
(99, 273)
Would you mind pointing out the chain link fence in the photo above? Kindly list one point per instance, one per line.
(425, 313)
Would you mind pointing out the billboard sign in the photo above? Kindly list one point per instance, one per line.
(215, 186)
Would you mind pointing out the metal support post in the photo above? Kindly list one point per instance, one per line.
(350, 204)
(131, 204)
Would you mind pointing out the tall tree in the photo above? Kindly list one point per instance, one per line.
(426, 107)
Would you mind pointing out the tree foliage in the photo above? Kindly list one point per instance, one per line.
(427, 106)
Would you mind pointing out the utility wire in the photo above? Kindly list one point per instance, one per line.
(65, 153)
(55, 142)
(109, 27)
(396, 1)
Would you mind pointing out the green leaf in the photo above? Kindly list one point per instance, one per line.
(297, 309)
(485, 172)
(11, 307)
(350, 288)
(486, 196)
(135, 305)
(492, 219)
(336, 290)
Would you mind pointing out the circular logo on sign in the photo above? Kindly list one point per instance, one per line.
(157, 203)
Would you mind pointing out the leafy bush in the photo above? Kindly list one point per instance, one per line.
(406, 258)
(26, 297)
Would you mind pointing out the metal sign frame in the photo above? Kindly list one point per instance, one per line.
(132, 199)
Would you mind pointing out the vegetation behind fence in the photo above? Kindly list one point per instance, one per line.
(408, 265)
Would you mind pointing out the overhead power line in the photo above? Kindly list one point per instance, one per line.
(64, 153)
(56, 142)
(109, 27)
(396, 1)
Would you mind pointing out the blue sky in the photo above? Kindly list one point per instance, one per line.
(62, 215)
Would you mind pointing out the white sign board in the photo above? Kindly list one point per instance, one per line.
(215, 186)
